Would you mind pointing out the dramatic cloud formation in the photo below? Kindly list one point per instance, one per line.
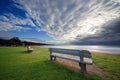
(109, 35)
(64, 19)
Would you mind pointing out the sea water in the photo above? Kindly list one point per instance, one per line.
(95, 48)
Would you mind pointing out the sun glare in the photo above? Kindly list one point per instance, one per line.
(90, 26)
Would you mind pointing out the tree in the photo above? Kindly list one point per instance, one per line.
(15, 41)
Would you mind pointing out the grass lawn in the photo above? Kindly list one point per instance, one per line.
(17, 64)
(110, 64)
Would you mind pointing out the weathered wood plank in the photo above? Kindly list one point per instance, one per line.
(66, 51)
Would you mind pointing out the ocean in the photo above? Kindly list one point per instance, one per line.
(95, 48)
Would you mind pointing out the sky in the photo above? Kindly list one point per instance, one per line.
(62, 21)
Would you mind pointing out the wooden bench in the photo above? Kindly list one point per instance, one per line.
(29, 49)
(83, 57)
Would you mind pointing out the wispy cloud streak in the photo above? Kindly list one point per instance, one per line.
(11, 22)
(68, 19)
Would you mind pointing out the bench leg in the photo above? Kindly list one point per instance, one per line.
(83, 68)
(52, 58)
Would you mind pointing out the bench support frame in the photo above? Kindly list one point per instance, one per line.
(83, 68)
(52, 58)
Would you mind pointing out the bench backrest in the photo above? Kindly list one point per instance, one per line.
(81, 53)
(66, 51)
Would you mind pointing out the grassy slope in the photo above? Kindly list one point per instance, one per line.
(17, 64)
(110, 65)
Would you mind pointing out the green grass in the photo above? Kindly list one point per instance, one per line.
(17, 64)
(110, 64)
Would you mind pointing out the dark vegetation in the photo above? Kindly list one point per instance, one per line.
(11, 42)
(15, 41)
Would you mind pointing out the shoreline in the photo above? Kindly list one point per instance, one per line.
(109, 53)
(93, 49)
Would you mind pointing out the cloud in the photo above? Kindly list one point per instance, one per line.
(32, 40)
(42, 41)
(67, 19)
(6, 35)
(11, 22)
(109, 33)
